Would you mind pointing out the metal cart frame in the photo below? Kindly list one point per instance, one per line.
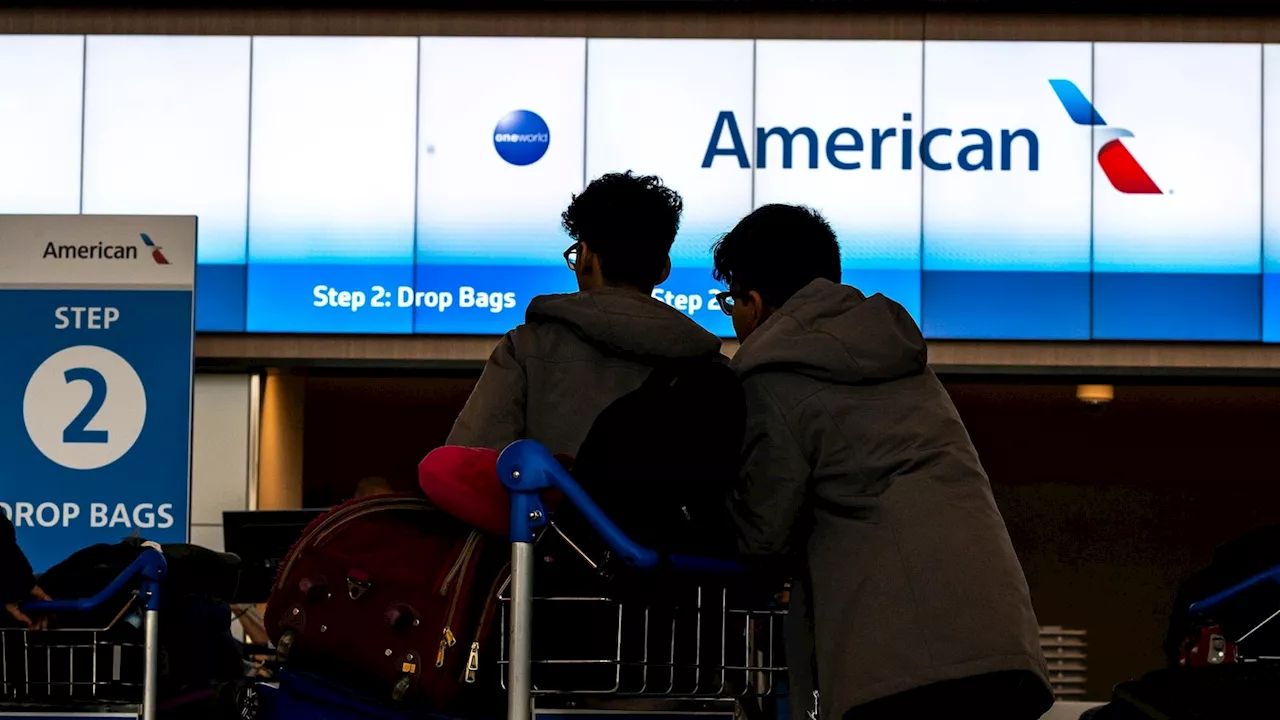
(1202, 609)
(527, 469)
(150, 568)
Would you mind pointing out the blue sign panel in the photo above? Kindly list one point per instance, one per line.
(95, 384)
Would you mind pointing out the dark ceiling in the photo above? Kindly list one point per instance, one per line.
(1147, 7)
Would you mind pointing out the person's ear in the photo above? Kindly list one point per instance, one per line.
(586, 259)
(756, 303)
(666, 272)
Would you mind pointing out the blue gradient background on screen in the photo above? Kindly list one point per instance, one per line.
(483, 222)
(875, 213)
(41, 91)
(1185, 264)
(337, 180)
(332, 179)
(1271, 194)
(187, 153)
(1006, 253)
(651, 107)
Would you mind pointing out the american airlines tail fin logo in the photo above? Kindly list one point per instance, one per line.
(155, 250)
(1119, 165)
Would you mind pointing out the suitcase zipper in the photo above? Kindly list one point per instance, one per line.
(473, 663)
(483, 623)
(446, 642)
(467, 549)
(457, 572)
(324, 532)
(331, 523)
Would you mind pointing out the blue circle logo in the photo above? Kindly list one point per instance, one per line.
(521, 138)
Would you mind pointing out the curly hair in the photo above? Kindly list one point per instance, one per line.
(630, 221)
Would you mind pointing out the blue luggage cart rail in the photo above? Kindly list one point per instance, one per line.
(90, 672)
(1209, 604)
(697, 647)
(1204, 610)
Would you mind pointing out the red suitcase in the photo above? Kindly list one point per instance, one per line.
(390, 595)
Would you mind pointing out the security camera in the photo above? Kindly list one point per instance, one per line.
(1095, 397)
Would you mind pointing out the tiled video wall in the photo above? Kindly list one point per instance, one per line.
(998, 190)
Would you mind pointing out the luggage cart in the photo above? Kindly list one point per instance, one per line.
(55, 674)
(699, 652)
(1215, 644)
(1220, 676)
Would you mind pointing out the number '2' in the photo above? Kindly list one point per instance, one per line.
(76, 432)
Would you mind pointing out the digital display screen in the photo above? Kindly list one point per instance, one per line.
(1006, 192)
(499, 156)
(332, 184)
(682, 110)
(166, 126)
(41, 106)
(997, 190)
(822, 146)
(1177, 192)
(1271, 194)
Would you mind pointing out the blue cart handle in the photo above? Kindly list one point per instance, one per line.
(1208, 604)
(150, 566)
(527, 468)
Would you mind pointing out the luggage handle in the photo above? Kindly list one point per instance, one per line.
(1206, 605)
(150, 565)
(152, 568)
(527, 468)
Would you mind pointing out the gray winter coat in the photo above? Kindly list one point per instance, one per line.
(857, 463)
(549, 378)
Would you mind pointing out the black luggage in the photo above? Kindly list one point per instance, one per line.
(1225, 692)
(196, 646)
(661, 460)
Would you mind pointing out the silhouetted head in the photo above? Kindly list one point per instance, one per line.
(770, 255)
(622, 226)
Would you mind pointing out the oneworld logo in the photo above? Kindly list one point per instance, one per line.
(940, 149)
(521, 137)
(1117, 163)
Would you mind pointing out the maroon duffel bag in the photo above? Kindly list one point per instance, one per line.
(391, 596)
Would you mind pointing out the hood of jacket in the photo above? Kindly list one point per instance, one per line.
(625, 322)
(834, 333)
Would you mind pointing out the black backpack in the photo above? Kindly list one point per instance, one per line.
(661, 460)
(196, 645)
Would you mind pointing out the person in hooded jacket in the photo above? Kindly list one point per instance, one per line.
(576, 353)
(17, 582)
(909, 601)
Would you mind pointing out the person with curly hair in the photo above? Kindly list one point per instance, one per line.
(576, 353)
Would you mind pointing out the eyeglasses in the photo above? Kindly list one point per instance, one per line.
(571, 256)
(726, 301)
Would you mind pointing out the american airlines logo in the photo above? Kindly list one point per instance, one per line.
(103, 251)
(1122, 169)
